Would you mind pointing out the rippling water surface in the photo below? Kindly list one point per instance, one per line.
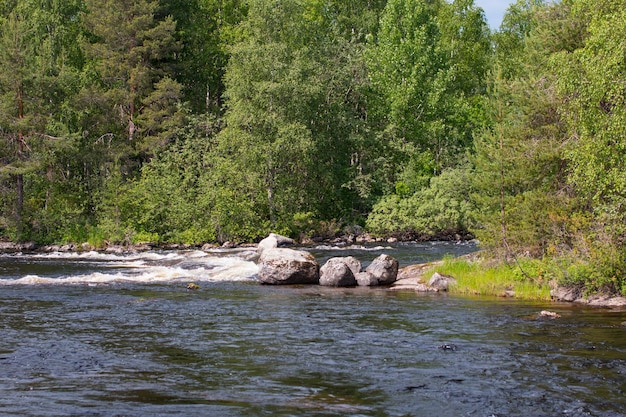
(112, 335)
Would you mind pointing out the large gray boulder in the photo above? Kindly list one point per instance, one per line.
(382, 271)
(288, 266)
(353, 263)
(339, 272)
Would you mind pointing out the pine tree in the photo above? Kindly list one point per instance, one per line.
(131, 56)
(521, 168)
(17, 60)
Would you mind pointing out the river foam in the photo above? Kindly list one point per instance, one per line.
(95, 268)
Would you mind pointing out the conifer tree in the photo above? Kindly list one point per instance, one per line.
(131, 55)
(520, 162)
(17, 121)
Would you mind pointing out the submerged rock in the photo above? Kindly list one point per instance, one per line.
(548, 315)
(448, 347)
(288, 266)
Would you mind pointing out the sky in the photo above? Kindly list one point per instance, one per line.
(494, 10)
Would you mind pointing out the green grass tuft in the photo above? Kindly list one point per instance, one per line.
(476, 278)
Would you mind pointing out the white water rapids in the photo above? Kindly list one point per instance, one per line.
(96, 268)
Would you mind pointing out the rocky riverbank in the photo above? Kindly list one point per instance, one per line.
(576, 295)
(411, 278)
(357, 236)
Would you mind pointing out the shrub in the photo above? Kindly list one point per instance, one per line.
(443, 207)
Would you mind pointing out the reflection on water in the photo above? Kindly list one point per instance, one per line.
(235, 348)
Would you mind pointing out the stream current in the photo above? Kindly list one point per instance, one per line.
(95, 334)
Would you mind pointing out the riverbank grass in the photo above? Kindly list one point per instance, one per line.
(476, 278)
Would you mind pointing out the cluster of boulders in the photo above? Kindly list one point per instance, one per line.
(281, 265)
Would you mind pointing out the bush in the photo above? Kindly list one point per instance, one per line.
(443, 207)
(145, 237)
(302, 225)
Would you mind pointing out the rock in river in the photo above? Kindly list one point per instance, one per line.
(288, 266)
(382, 271)
(274, 241)
(339, 272)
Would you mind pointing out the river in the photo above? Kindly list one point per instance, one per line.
(96, 334)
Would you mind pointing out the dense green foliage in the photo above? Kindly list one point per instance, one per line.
(207, 120)
(549, 169)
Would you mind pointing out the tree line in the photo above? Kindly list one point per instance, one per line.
(215, 120)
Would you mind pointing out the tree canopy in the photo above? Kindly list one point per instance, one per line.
(217, 120)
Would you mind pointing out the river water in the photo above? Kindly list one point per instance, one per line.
(120, 335)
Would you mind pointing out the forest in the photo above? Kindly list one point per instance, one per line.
(223, 120)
